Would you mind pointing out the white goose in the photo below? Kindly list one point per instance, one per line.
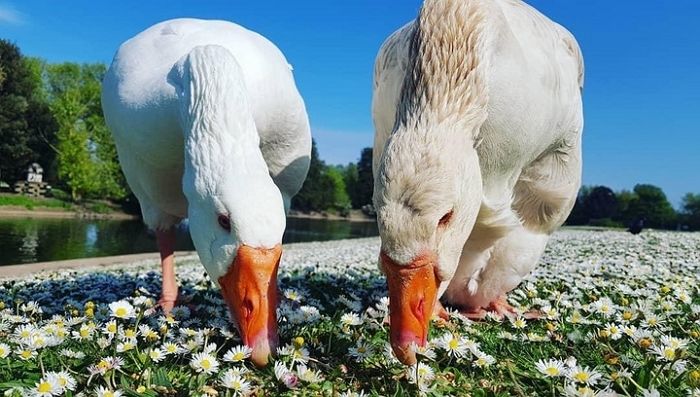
(209, 125)
(477, 155)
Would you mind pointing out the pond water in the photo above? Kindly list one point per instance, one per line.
(38, 240)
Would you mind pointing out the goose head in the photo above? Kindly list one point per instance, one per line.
(427, 196)
(237, 232)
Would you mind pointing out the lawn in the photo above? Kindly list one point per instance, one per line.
(620, 317)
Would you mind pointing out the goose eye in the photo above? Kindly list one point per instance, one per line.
(224, 222)
(445, 220)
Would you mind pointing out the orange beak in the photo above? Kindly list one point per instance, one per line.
(249, 288)
(412, 296)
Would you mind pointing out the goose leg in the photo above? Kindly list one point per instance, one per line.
(166, 246)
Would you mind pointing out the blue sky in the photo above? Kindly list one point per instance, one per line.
(642, 94)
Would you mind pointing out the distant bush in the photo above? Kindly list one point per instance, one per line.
(100, 208)
(605, 222)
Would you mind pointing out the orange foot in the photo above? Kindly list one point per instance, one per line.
(168, 299)
(499, 307)
(440, 312)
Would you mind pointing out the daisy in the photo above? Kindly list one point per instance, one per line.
(518, 322)
(46, 387)
(238, 354)
(584, 375)
(63, 379)
(105, 392)
(454, 345)
(122, 309)
(235, 383)
(350, 319)
(308, 375)
(171, 348)
(156, 355)
(421, 375)
(483, 360)
(284, 375)
(204, 363)
(111, 328)
(551, 368)
(361, 350)
(613, 331)
(4, 350)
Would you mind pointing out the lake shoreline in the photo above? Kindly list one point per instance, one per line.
(355, 216)
(21, 212)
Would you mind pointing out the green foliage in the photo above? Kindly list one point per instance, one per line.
(339, 199)
(365, 179)
(87, 157)
(652, 205)
(690, 211)
(600, 206)
(25, 120)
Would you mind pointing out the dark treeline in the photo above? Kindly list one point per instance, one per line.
(51, 114)
(600, 206)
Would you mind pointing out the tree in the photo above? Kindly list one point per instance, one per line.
(600, 203)
(87, 157)
(339, 199)
(23, 114)
(690, 211)
(309, 197)
(365, 179)
(578, 215)
(650, 203)
(350, 177)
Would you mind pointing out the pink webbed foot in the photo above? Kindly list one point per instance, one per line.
(499, 308)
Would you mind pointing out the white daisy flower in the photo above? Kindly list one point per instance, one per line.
(551, 368)
(235, 382)
(105, 392)
(46, 387)
(238, 354)
(584, 375)
(350, 319)
(453, 344)
(122, 309)
(204, 363)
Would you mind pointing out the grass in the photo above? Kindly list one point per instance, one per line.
(54, 203)
(620, 316)
(31, 203)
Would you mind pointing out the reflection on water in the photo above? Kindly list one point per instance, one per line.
(37, 240)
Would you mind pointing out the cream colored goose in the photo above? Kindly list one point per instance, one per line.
(209, 125)
(477, 155)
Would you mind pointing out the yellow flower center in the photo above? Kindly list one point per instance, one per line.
(129, 333)
(44, 387)
(581, 377)
(669, 353)
(62, 381)
(453, 344)
(206, 364)
(552, 371)
(238, 356)
(108, 394)
(112, 328)
(627, 315)
(120, 312)
(26, 354)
